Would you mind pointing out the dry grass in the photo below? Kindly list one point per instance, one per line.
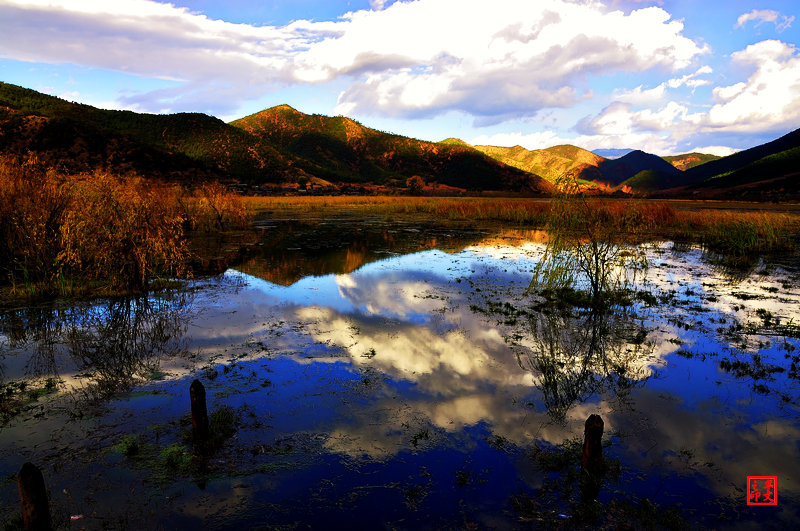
(525, 211)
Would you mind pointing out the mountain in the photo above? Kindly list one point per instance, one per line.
(76, 137)
(647, 181)
(590, 169)
(341, 149)
(278, 145)
(282, 145)
(741, 159)
(690, 160)
(616, 171)
(552, 163)
(774, 177)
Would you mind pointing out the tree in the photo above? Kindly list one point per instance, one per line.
(592, 244)
(415, 184)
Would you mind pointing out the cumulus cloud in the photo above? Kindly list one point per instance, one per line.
(415, 58)
(619, 119)
(473, 56)
(760, 16)
(640, 96)
(769, 99)
(720, 151)
(209, 59)
(661, 144)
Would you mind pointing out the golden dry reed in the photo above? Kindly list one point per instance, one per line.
(68, 234)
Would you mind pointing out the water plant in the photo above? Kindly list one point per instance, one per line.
(129, 445)
(175, 458)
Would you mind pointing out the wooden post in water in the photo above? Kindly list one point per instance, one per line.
(197, 393)
(592, 457)
(33, 499)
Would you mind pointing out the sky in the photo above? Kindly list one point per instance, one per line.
(664, 76)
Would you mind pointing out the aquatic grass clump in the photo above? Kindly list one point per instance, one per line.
(174, 459)
(129, 445)
(222, 424)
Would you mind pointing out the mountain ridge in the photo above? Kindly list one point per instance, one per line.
(190, 146)
(282, 146)
(340, 148)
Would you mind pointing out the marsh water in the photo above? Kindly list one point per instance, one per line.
(399, 375)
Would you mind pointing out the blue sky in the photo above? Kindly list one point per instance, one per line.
(664, 76)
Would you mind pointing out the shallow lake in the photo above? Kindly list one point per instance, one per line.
(398, 375)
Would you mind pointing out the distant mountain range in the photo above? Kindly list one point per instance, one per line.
(282, 146)
(278, 145)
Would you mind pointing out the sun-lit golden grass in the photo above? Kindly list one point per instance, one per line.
(68, 234)
(515, 210)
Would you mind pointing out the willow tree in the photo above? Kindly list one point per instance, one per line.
(594, 245)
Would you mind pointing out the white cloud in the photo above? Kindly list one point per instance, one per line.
(690, 80)
(720, 151)
(642, 96)
(496, 60)
(769, 99)
(150, 39)
(621, 119)
(760, 16)
(647, 141)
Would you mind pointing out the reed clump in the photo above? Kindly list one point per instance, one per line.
(69, 234)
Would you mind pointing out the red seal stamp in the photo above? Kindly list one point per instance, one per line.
(762, 490)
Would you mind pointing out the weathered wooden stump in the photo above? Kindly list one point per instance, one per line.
(33, 499)
(197, 393)
(592, 457)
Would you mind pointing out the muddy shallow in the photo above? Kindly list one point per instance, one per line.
(398, 376)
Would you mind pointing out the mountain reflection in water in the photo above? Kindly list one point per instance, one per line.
(427, 389)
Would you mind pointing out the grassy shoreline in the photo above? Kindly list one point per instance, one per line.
(732, 227)
(100, 234)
